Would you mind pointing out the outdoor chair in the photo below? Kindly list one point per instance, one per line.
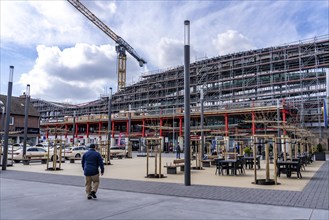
(297, 169)
(241, 163)
(218, 165)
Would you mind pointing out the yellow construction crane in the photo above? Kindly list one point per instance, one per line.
(121, 47)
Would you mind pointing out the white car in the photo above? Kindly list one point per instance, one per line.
(15, 147)
(34, 151)
(41, 145)
(65, 151)
(118, 151)
(75, 152)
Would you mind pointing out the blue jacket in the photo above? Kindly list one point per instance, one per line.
(91, 160)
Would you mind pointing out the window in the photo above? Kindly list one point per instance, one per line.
(11, 120)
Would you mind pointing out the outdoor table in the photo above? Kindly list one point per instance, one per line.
(250, 161)
(289, 167)
(227, 164)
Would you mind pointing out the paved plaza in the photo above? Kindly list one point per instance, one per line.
(35, 194)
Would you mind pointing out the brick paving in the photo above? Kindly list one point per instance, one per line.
(314, 195)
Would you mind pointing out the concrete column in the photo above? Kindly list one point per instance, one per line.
(128, 148)
(227, 143)
(180, 126)
(112, 141)
(226, 125)
(181, 141)
(162, 143)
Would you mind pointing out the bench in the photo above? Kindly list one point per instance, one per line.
(29, 158)
(172, 167)
(209, 161)
(206, 163)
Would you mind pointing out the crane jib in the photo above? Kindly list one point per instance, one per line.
(120, 41)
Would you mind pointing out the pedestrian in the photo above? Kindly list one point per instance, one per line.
(259, 149)
(237, 149)
(91, 162)
(178, 151)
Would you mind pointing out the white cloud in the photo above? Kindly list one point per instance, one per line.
(170, 52)
(105, 7)
(74, 74)
(231, 41)
(44, 22)
(154, 29)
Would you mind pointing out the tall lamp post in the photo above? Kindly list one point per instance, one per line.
(127, 141)
(187, 155)
(27, 103)
(109, 127)
(173, 129)
(73, 134)
(8, 105)
(2, 121)
(278, 121)
(202, 120)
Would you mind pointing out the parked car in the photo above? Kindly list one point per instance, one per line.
(75, 152)
(119, 150)
(15, 147)
(41, 145)
(10, 149)
(34, 151)
(65, 152)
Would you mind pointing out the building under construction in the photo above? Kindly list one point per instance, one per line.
(279, 90)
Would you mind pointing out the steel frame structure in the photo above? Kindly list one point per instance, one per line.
(295, 73)
(235, 84)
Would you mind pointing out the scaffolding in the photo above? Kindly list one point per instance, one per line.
(295, 74)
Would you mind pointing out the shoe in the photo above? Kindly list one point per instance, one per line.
(93, 194)
(89, 197)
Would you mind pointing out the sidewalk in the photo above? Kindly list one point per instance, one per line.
(32, 195)
(31, 200)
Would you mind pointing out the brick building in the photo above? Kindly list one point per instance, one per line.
(17, 114)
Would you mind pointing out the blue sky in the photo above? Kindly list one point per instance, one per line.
(66, 58)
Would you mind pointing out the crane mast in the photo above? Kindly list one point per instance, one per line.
(121, 47)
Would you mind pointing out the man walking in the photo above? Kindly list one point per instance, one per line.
(178, 151)
(91, 162)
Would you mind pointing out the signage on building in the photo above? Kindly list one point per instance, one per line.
(195, 137)
(29, 130)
